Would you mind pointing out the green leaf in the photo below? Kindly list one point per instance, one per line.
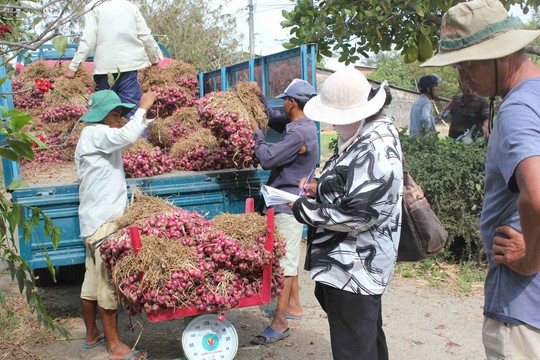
(55, 237)
(9, 154)
(60, 44)
(18, 120)
(426, 30)
(29, 292)
(15, 217)
(27, 231)
(16, 184)
(12, 269)
(38, 142)
(22, 148)
(286, 23)
(411, 55)
(35, 216)
(420, 10)
(3, 79)
(425, 48)
(288, 45)
(21, 276)
(286, 15)
(110, 79)
(47, 226)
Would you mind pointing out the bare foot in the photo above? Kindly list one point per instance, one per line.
(125, 352)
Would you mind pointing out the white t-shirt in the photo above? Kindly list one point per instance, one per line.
(117, 33)
(100, 171)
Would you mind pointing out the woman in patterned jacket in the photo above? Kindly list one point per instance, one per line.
(354, 214)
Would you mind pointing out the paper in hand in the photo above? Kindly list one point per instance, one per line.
(273, 196)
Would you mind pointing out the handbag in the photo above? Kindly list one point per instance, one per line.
(422, 233)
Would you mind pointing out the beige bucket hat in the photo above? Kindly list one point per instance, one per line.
(479, 30)
(344, 100)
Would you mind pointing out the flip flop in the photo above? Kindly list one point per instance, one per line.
(270, 313)
(99, 341)
(270, 336)
(133, 354)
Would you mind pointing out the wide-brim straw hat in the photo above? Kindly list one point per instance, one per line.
(101, 103)
(343, 99)
(479, 30)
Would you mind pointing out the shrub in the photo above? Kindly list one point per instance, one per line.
(452, 177)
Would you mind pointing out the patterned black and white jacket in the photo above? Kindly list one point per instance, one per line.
(355, 221)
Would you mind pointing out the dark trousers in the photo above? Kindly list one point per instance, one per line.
(355, 323)
(126, 87)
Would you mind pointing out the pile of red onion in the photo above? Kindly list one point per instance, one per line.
(221, 271)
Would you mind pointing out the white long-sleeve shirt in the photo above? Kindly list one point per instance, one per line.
(117, 33)
(102, 182)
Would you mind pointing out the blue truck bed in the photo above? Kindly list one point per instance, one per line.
(209, 193)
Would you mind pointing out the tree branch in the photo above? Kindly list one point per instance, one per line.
(534, 50)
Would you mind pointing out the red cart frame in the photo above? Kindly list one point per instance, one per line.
(261, 298)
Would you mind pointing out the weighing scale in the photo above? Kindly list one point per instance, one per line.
(207, 338)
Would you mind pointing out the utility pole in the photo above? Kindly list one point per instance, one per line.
(251, 30)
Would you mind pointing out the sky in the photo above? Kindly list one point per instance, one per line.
(268, 32)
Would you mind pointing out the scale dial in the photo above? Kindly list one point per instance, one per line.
(206, 338)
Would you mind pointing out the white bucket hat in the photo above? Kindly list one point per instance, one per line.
(479, 30)
(343, 99)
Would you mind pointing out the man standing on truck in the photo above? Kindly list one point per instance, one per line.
(292, 158)
(103, 199)
(122, 44)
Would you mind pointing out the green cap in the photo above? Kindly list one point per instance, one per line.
(101, 103)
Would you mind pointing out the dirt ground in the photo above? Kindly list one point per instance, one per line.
(420, 321)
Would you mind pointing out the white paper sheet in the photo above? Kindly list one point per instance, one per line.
(273, 196)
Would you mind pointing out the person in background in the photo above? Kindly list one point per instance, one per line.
(422, 118)
(103, 199)
(122, 44)
(354, 214)
(292, 158)
(486, 45)
(467, 110)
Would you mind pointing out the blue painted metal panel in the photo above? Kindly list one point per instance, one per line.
(209, 193)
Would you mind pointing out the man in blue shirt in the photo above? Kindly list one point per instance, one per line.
(292, 158)
(422, 118)
(486, 45)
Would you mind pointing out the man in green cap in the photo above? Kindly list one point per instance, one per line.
(103, 199)
(486, 45)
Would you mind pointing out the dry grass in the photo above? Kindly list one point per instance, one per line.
(247, 93)
(246, 228)
(463, 279)
(201, 137)
(158, 257)
(142, 144)
(143, 207)
(165, 77)
(19, 329)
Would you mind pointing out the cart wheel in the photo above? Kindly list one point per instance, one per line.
(205, 337)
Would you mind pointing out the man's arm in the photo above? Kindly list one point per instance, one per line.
(450, 106)
(528, 180)
(426, 117)
(485, 127)
(145, 34)
(521, 252)
(86, 45)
